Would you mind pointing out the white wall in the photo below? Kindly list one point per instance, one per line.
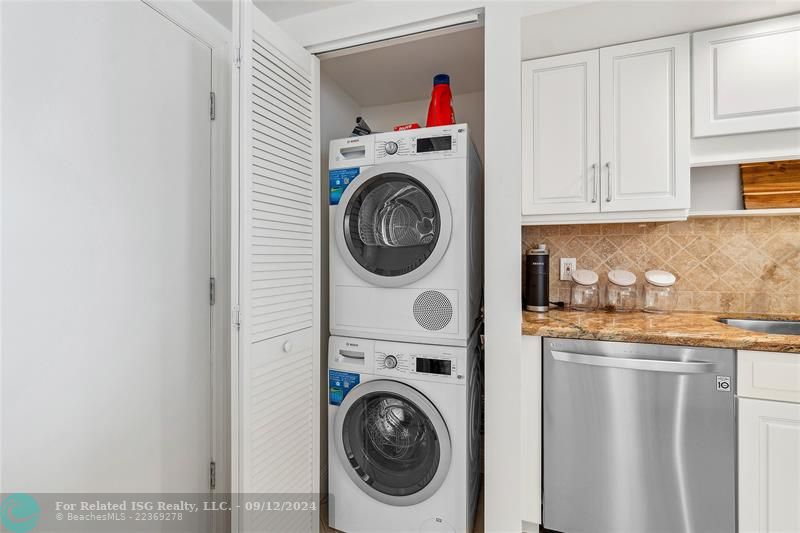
(367, 16)
(220, 10)
(716, 188)
(468, 108)
(599, 24)
(337, 117)
(502, 478)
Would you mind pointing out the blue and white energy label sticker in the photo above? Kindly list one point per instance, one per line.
(339, 384)
(338, 180)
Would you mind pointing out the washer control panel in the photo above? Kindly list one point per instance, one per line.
(434, 366)
(420, 362)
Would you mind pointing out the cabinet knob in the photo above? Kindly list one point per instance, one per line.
(287, 346)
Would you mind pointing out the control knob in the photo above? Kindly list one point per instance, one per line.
(391, 147)
(390, 361)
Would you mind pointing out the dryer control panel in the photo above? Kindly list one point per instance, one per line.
(423, 143)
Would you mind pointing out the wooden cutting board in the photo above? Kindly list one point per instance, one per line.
(773, 184)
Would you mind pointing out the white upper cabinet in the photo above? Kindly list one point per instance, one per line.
(606, 134)
(644, 125)
(560, 112)
(746, 78)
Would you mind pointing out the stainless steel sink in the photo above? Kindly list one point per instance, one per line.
(780, 327)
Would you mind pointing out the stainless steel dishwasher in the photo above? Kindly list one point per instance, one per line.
(638, 438)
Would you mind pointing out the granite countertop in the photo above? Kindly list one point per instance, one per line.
(678, 328)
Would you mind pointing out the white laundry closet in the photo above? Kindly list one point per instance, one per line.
(379, 83)
(382, 85)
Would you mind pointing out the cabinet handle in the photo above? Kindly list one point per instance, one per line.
(594, 183)
(608, 176)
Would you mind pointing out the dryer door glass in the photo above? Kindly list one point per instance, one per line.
(391, 224)
(391, 444)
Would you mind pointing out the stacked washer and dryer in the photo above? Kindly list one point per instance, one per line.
(406, 256)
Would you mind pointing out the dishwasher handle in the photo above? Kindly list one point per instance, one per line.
(633, 363)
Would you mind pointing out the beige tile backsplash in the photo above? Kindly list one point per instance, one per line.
(743, 264)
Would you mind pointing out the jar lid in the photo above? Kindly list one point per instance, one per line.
(660, 278)
(584, 277)
(623, 278)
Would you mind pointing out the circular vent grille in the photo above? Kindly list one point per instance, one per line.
(432, 310)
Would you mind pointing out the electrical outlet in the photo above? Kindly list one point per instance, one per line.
(568, 266)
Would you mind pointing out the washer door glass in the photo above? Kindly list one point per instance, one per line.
(391, 224)
(391, 444)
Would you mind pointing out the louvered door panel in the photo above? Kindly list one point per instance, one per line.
(280, 432)
(279, 200)
(282, 199)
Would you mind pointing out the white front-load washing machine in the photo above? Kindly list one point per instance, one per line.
(403, 435)
(406, 230)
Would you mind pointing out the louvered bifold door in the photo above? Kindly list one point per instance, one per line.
(276, 398)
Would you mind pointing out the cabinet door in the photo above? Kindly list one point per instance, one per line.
(746, 78)
(644, 125)
(769, 466)
(275, 407)
(560, 134)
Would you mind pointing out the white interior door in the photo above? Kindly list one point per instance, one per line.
(644, 125)
(276, 377)
(106, 173)
(560, 134)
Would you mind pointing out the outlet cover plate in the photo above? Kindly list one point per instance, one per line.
(566, 267)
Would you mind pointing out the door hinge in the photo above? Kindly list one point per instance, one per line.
(212, 289)
(236, 317)
(213, 110)
(212, 473)
(237, 57)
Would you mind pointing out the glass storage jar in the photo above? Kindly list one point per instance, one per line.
(621, 293)
(660, 294)
(584, 293)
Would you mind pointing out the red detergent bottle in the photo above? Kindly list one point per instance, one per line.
(440, 110)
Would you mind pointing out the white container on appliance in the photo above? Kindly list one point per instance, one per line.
(660, 294)
(621, 293)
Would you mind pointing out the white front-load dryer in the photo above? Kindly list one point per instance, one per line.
(406, 226)
(403, 436)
